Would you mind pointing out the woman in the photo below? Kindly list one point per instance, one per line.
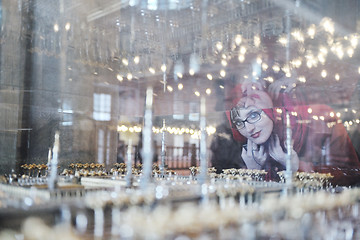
(319, 142)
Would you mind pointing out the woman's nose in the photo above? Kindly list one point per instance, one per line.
(249, 127)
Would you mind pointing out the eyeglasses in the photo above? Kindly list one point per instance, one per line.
(253, 117)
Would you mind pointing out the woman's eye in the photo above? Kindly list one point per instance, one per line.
(253, 115)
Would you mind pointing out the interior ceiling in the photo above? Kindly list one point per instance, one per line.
(183, 35)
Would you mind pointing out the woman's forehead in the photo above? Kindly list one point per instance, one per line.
(242, 111)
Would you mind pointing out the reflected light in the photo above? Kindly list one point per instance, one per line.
(258, 60)
(136, 59)
(328, 25)
(129, 76)
(311, 31)
(323, 73)
(209, 76)
(208, 91)
(169, 88)
(222, 73)
(119, 77)
(219, 46)
(354, 41)
(125, 61)
(302, 79)
(350, 52)
(283, 41)
(67, 26)
(298, 36)
(56, 27)
(180, 86)
(276, 68)
(152, 70)
(191, 72)
(197, 93)
(337, 77)
(241, 58)
(238, 39)
(264, 66)
(163, 68)
(243, 50)
(257, 40)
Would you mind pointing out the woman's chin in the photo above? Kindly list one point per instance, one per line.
(258, 141)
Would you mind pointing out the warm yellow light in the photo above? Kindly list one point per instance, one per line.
(169, 88)
(222, 73)
(219, 46)
(309, 110)
(67, 26)
(241, 58)
(191, 72)
(163, 68)
(296, 62)
(242, 50)
(350, 52)
(321, 58)
(270, 79)
(328, 25)
(119, 77)
(258, 60)
(179, 75)
(323, 73)
(264, 66)
(337, 77)
(338, 114)
(276, 68)
(152, 70)
(209, 76)
(332, 114)
(197, 93)
(323, 50)
(56, 27)
(298, 35)
(136, 59)
(302, 79)
(354, 41)
(223, 62)
(125, 61)
(129, 76)
(311, 31)
(180, 86)
(257, 41)
(208, 91)
(238, 39)
(283, 41)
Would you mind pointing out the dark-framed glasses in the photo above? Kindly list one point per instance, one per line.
(237, 123)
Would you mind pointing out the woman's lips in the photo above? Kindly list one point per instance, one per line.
(256, 135)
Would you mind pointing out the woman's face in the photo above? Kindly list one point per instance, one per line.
(258, 131)
(257, 125)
